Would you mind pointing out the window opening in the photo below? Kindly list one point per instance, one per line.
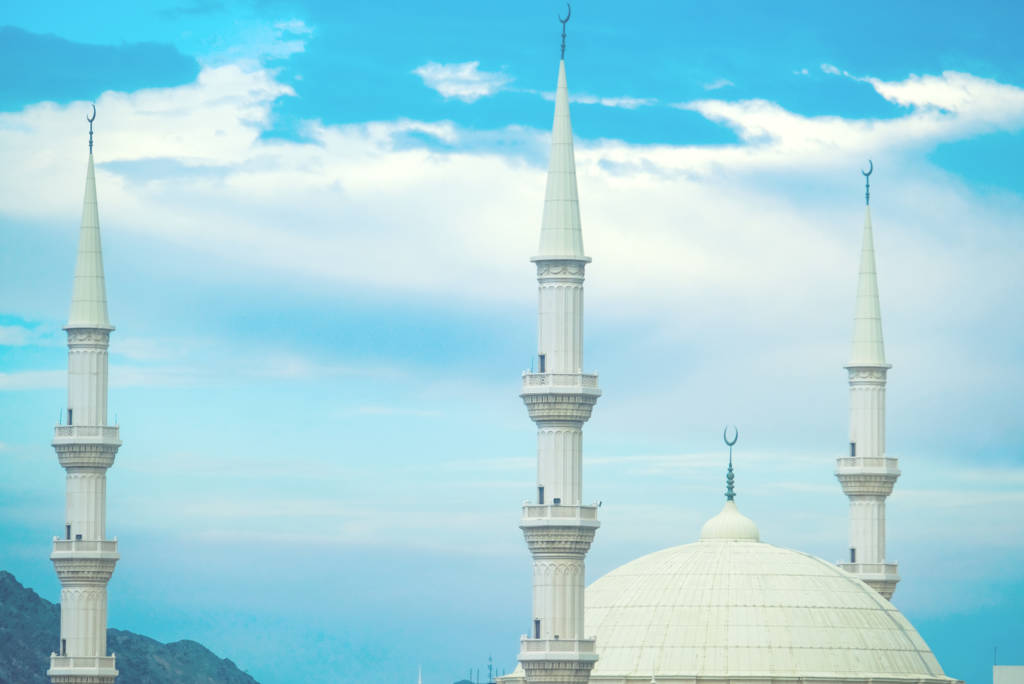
(63, 647)
(556, 501)
(853, 450)
(541, 360)
(540, 494)
(69, 416)
(67, 531)
(536, 629)
(853, 555)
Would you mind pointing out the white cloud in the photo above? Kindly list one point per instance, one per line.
(620, 102)
(294, 26)
(31, 380)
(718, 84)
(758, 236)
(15, 336)
(462, 81)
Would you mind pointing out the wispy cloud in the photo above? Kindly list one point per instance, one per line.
(32, 380)
(462, 81)
(620, 102)
(718, 84)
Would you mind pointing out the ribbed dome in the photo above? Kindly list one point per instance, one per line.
(744, 609)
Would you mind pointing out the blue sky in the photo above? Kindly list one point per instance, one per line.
(317, 219)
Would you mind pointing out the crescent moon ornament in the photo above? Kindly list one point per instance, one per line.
(568, 15)
(90, 119)
(867, 182)
(725, 435)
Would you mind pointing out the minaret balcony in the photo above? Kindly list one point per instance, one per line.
(571, 381)
(109, 435)
(539, 515)
(84, 548)
(882, 577)
(867, 476)
(82, 666)
(86, 446)
(557, 649)
(552, 530)
(84, 561)
(560, 397)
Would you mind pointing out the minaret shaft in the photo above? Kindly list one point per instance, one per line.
(86, 446)
(560, 319)
(559, 397)
(866, 474)
(87, 379)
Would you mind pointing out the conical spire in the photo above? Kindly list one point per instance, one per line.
(868, 348)
(89, 294)
(561, 235)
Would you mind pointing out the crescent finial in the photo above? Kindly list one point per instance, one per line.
(90, 119)
(867, 182)
(725, 435)
(568, 15)
(730, 491)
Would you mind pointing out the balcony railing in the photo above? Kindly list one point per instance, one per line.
(555, 511)
(92, 433)
(60, 664)
(559, 379)
(887, 569)
(104, 546)
(583, 646)
(889, 465)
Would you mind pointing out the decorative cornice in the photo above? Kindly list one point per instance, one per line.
(551, 541)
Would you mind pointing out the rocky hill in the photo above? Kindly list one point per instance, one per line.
(30, 629)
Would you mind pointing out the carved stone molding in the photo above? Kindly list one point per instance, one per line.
(84, 571)
(867, 484)
(867, 374)
(571, 271)
(557, 671)
(550, 541)
(86, 455)
(571, 408)
(90, 337)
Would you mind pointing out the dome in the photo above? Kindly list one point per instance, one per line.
(742, 609)
(732, 608)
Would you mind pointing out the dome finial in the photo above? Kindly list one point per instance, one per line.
(90, 119)
(730, 493)
(867, 182)
(565, 21)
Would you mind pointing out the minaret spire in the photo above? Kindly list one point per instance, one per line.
(559, 397)
(84, 558)
(561, 234)
(867, 475)
(89, 292)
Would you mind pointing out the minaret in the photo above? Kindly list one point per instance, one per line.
(84, 559)
(866, 474)
(559, 397)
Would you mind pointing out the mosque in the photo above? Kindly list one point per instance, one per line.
(726, 608)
